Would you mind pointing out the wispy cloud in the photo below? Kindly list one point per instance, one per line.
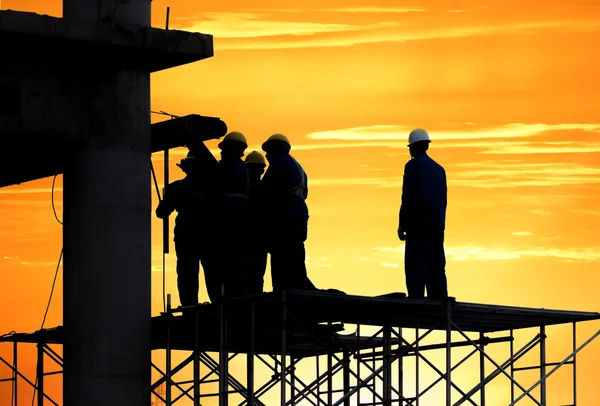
(236, 31)
(397, 132)
(373, 10)
(389, 265)
(474, 253)
(254, 25)
(522, 233)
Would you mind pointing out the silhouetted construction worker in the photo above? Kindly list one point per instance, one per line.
(285, 187)
(233, 214)
(257, 249)
(192, 198)
(422, 221)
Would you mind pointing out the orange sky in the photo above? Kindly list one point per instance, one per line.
(507, 89)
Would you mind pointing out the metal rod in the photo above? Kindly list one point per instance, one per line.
(378, 370)
(482, 371)
(417, 365)
(223, 354)
(442, 376)
(448, 352)
(358, 362)
(15, 376)
(168, 355)
(556, 367)
(401, 372)
(283, 346)
(387, 372)
(574, 364)
(196, 360)
(346, 375)
(168, 14)
(40, 374)
(499, 369)
(250, 358)
(33, 385)
(329, 368)
(543, 365)
(512, 367)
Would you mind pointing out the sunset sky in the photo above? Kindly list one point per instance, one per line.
(508, 91)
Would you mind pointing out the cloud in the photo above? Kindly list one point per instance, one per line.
(247, 31)
(522, 233)
(389, 265)
(366, 10)
(473, 253)
(250, 25)
(397, 132)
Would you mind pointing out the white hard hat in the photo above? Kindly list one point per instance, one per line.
(418, 135)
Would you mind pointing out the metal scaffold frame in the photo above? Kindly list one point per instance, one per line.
(281, 333)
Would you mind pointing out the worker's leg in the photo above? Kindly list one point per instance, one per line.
(257, 266)
(234, 253)
(437, 287)
(188, 269)
(415, 265)
(299, 277)
(212, 272)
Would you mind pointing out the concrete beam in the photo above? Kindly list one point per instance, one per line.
(30, 37)
(45, 154)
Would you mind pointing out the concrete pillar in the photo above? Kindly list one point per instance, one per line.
(106, 233)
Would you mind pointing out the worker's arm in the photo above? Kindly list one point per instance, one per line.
(167, 204)
(409, 185)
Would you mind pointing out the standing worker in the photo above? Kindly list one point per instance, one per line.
(422, 221)
(192, 197)
(233, 214)
(257, 250)
(285, 187)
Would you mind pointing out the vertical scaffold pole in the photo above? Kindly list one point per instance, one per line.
(283, 346)
(250, 358)
(543, 365)
(168, 352)
(448, 352)
(482, 369)
(40, 373)
(223, 354)
(387, 372)
(196, 358)
(574, 363)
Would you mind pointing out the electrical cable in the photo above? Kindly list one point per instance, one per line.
(53, 282)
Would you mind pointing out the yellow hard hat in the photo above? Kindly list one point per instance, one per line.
(279, 138)
(255, 157)
(234, 136)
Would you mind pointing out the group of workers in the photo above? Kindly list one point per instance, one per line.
(233, 214)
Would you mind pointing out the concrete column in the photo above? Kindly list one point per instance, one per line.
(106, 233)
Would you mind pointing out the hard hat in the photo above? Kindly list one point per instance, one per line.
(189, 159)
(255, 157)
(418, 135)
(278, 138)
(234, 136)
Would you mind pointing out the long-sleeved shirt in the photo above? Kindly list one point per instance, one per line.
(424, 194)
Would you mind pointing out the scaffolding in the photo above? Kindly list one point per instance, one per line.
(292, 330)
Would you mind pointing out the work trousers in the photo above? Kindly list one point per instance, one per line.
(286, 246)
(190, 253)
(233, 248)
(425, 264)
(257, 262)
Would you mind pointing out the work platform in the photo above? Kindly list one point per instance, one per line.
(281, 331)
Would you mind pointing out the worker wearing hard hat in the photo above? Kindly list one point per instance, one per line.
(257, 250)
(233, 215)
(285, 187)
(192, 197)
(422, 220)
